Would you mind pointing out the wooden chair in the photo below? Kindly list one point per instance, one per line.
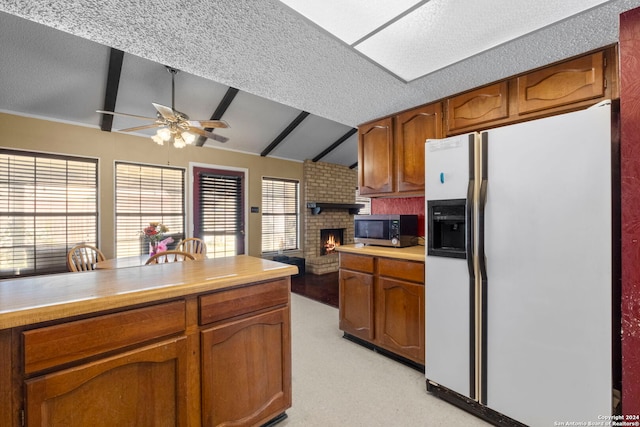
(193, 245)
(83, 257)
(170, 256)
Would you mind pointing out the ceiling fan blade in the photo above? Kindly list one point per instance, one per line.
(209, 123)
(166, 112)
(218, 138)
(113, 113)
(207, 134)
(133, 129)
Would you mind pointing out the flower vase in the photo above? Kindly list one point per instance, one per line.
(153, 248)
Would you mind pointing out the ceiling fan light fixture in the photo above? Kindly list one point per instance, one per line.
(188, 138)
(157, 140)
(174, 126)
(178, 142)
(164, 133)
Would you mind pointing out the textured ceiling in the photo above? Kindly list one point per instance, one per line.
(412, 38)
(266, 50)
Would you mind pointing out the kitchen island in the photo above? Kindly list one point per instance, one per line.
(188, 344)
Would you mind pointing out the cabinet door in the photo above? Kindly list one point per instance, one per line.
(375, 157)
(478, 107)
(356, 304)
(142, 387)
(573, 81)
(246, 370)
(412, 130)
(400, 318)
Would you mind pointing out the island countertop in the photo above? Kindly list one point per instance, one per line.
(410, 253)
(37, 299)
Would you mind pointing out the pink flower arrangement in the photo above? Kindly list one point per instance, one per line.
(162, 245)
(155, 233)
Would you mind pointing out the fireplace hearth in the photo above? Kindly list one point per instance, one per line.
(330, 187)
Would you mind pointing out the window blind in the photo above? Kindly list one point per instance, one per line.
(280, 214)
(48, 203)
(221, 210)
(147, 194)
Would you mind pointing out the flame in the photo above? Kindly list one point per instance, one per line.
(330, 244)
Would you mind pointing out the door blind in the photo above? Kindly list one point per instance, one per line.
(48, 203)
(147, 194)
(221, 213)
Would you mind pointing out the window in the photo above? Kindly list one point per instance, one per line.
(366, 201)
(147, 194)
(48, 203)
(280, 213)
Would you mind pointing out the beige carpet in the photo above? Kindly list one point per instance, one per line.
(339, 383)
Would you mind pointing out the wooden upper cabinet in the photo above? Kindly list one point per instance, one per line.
(478, 107)
(560, 88)
(570, 82)
(375, 157)
(412, 129)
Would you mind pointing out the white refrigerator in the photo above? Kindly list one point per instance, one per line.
(519, 269)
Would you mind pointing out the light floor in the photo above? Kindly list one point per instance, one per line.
(339, 383)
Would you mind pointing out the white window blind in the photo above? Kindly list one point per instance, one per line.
(366, 201)
(48, 204)
(221, 211)
(147, 194)
(280, 214)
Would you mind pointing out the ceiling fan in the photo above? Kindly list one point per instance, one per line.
(175, 126)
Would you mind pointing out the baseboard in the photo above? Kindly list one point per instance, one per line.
(391, 355)
(471, 406)
(275, 420)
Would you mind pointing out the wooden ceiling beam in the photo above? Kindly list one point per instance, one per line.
(335, 145)
(111, 94)
(294, 124)
(219, 112)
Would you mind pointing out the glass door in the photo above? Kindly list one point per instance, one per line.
(218, 210)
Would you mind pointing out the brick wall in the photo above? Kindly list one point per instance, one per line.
(326, 183)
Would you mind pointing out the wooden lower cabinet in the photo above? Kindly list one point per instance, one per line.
(246, 370)
(384, 304)
(356, 303)
(400, 318)
(142, 387)
(213, 359)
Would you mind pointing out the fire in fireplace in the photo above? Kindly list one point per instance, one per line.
(330, 239)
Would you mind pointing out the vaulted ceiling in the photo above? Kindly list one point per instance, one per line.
(286, 86)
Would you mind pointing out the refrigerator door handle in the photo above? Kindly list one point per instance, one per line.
(470, 208)
(470, 248)
(482, 267)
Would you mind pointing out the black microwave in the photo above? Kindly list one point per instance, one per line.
(386, 230)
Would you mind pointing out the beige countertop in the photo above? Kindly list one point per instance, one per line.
(31, 300)
(411, 253)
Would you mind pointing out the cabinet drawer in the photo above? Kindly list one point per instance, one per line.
(59, 344)
(356, 262)
(247, 299)
(407, 270)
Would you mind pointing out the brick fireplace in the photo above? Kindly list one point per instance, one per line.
(326, 183)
